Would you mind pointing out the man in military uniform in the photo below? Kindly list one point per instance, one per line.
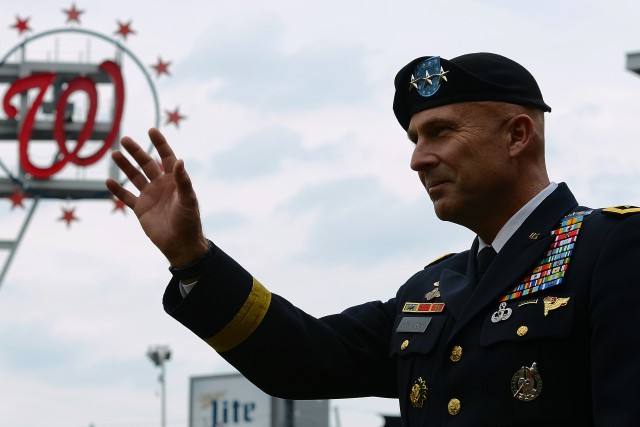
(536, 324)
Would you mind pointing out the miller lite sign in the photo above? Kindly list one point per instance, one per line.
(232, 401)
(228, 400)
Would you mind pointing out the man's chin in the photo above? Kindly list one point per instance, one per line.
(444, 211)
(440, 210)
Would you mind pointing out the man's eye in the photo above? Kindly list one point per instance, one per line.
(440, 130)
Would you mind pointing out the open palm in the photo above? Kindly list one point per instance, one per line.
(166, 207)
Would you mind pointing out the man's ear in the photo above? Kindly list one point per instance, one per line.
(521, 131)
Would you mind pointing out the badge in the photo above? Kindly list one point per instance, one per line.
(552, 303)
(413, 324)
(423, 307)
(503, 313)
(456, 353)
(435, 293)
(427, 77)
(531, 301)
(418, 393)
(526, 383)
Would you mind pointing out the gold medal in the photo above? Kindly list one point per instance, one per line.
(552, 303)
(418, 393)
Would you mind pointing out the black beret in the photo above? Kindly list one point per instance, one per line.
(431, 81)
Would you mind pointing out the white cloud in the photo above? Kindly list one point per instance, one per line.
(256, 71)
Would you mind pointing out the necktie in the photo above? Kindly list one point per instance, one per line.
(485, 256)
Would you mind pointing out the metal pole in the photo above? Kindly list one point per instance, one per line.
(163, 391)
(13, 246)
(336, 412)
(288, 413)
(159, 355)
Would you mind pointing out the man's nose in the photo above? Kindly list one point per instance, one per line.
(422, 157)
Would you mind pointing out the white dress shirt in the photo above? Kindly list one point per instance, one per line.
(517, 219)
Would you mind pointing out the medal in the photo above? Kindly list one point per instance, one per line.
(424, 307)
(435, 293)
(550, 270)
(418, 393)
(552, 303)
(526, 383)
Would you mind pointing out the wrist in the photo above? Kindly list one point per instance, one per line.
(192, 271)
(185, 255)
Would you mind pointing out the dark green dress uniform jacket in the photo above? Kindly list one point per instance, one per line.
(464, 369)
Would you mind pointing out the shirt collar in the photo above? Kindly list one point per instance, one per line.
(510, 227)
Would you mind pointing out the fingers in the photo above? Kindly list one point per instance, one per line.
(146, 162)
(121, 193)
(183, 183)
(134, 175)
(167, 157)
(149, 166)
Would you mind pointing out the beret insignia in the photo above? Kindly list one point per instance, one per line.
(427, 77)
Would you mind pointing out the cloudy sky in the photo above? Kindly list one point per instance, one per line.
(301, 170)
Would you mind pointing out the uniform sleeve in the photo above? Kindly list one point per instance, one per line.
(615, 327)
(280, 348)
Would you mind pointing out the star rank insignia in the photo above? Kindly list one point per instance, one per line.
(427, 77)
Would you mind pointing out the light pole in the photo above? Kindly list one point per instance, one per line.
(159, 354)
(633, 62)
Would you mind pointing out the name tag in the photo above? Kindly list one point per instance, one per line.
(413, 324)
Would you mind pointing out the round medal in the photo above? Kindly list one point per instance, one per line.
(526, 383)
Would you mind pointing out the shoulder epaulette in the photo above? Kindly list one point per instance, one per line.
(621, 210)
(440, 258)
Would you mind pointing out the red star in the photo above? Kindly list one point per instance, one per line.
(68, 216)
(17, 197)
(161, 67)
(124, 29)
(174, 117)
(160, 165)
(21, 25)
(73, 14)
(119, 206)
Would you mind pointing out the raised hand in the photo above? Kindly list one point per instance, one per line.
(166, 207)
